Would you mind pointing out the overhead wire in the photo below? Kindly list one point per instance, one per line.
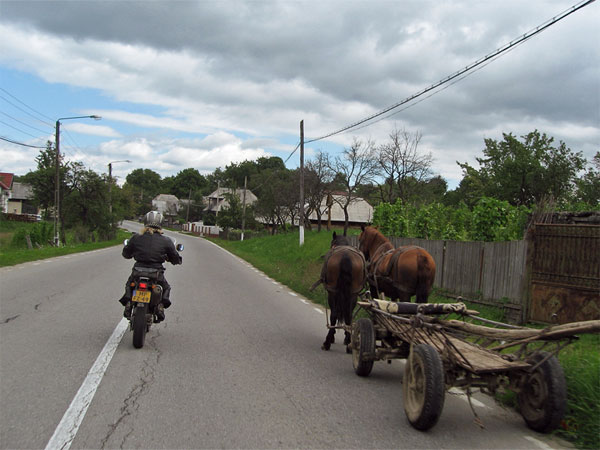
(27, 106)
(19, 130)
(489, 57)
(24, 123)
(431, 94)
(19, 143)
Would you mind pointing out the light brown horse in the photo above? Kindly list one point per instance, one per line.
(399, 273)
(344, 274)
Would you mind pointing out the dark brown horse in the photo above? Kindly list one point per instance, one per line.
(399, 273)
(344, 275)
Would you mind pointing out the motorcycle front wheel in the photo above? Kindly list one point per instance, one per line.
(138, 320)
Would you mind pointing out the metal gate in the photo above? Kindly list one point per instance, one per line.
(565, 273)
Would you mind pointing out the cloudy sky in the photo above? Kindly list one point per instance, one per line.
(205, 83)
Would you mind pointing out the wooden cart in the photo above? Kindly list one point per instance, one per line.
(443, 353)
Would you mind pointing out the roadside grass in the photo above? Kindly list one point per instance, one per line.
(12, 253)
(281, 258)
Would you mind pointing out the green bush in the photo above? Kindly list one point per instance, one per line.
(39, 233)
(489, 220)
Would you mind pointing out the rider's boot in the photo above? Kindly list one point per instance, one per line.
(160, 312)
(127, 312)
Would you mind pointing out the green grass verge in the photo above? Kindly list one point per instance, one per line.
(281, 258)
(10, 256)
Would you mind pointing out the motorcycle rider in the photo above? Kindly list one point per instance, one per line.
(150, 249)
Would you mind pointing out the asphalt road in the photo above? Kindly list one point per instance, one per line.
(237, 364)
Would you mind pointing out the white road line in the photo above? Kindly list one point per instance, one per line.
(462, 394)
(318, 310)
(67, 428)
(291, 293)
(540, 444)
(303, 301)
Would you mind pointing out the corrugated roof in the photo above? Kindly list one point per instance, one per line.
(217, 198)
(358, 211)
(21, 191)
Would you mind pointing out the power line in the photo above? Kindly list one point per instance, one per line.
(19, 143)
(491, 56)
(27, 106)
(432, 93)
(24, 123)
(19, 130)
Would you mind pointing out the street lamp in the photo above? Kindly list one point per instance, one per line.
(110, 184)
(57, 188)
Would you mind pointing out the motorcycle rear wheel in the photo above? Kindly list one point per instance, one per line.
(139, 326)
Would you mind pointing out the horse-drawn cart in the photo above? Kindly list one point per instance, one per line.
(442, 353)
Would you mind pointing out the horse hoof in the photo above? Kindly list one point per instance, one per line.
(348, 349)
(325, 347)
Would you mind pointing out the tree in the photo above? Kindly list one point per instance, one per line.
(358, 165)
(588, 187)
(273, 201)
(43, 180)
(523, 172)
(145, 184)
(317, 177)
(232, 215)
(185, 181)
(86, 203)
(402, 165)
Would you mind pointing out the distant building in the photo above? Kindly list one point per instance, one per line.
(217, 200)
(20, 201)
(360, 212)
(167, 205)
(6, 181)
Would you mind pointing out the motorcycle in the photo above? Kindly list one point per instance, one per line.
(146, 296)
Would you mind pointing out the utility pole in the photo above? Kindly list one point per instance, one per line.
(244, 207)
(57, 185)
(301, 219)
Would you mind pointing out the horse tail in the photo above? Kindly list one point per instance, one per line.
(425, 275)
(344, 287)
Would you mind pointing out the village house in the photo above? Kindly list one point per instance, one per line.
(6, 181)
(360, 212)
(167, 205)
(217, 200)
(16, 198)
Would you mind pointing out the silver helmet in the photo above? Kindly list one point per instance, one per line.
(153, 219)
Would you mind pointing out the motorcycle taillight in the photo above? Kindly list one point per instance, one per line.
(143, 285)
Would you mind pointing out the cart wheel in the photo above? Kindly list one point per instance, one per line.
(543, 397)
(423, 387)
(363, 346)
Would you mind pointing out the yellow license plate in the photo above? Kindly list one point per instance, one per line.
(142, 296)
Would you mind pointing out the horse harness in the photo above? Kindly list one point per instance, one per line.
(395, 252)
(328, 255)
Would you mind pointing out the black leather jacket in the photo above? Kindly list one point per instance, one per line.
(151, 250)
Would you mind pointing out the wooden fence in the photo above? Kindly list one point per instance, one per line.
(488, 272)
(553, 276)
(565, 273)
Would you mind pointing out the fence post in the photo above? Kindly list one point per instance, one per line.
(526, 288)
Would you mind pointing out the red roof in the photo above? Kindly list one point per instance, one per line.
(6, 180)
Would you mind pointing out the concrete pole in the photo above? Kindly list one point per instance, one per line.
(301, 219)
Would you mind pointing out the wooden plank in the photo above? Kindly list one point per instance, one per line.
(484, 361)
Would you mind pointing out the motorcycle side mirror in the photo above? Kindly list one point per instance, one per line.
(125, 242)
(179, 247)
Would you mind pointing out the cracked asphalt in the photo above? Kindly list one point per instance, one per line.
(236, 364)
